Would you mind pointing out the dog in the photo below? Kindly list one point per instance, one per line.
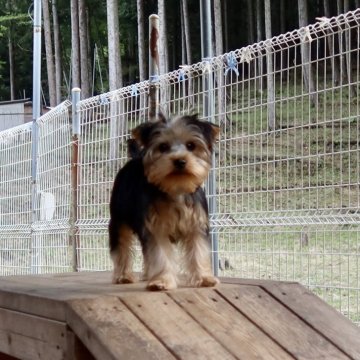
(158, 198)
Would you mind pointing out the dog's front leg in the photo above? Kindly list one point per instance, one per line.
(160, 269)
(198, 261)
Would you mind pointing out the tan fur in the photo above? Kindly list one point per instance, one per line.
(159, 168)
(177, 220)
(123, 258)
(174, 218)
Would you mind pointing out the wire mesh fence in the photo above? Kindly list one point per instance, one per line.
(285, 185)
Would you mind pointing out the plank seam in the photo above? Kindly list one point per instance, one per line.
(202, 326)
(306, 322)
(151, 331)
(254, 323)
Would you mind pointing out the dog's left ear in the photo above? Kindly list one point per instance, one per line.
(210, 131)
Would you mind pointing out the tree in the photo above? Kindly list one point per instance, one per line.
(352, 91)
(84, 50)
(219, 47)
(11, 54)
(259, 37)
(250, 16)
(305, 52)
(269, 69)
(75, 46)
(330, 43)
(57, 52)
(115, 74)
(49, 53)
(141, 39)
(186, 17)
(163, 49)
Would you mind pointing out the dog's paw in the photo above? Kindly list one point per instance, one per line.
(124, 279)
(159, 284)
(205, 281)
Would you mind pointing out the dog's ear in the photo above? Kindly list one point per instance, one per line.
(210, 131)
(142, 133)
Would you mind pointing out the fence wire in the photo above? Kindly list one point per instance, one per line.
(284, 190)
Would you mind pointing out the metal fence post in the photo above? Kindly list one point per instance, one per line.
(74, 175)
(35, 260)
(208, 112)
(153, 66)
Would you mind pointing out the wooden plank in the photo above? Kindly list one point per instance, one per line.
(32, 304)
(110, 331)
(231, 328)
(302, 341)
(49, 331)
(252, 282)
(174, 327)
(320, 315)
(27, 348)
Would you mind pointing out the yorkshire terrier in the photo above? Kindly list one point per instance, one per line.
(157, 197)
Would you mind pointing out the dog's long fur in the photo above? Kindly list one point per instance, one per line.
(157, 198)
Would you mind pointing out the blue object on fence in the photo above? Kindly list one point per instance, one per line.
(134, 90)
(231, 64)
(103, 100)
(154, 78)
(181, 75)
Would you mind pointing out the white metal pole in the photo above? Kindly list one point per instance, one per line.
(208, 111)
(36, 103)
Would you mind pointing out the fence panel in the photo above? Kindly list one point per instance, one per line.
(106, 122)
(15, 200)
(287, 166)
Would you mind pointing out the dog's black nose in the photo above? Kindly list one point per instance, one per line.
(180, 163)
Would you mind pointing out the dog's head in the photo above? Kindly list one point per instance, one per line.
(177, 153)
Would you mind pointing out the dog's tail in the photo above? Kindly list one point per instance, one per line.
(134, 150)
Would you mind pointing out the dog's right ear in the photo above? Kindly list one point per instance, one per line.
(142, 133)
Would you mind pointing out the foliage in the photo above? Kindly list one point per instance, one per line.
(16, 23)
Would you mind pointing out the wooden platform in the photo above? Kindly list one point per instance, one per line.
(83, 316)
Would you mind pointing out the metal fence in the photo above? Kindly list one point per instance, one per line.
(285, 189)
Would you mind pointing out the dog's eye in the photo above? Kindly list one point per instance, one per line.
(190, 146)
(164, 147)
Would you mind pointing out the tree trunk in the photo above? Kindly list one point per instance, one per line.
(185, 13)
(341, 45)
(57, 52)
(11, 67)
(226, 32)
(269, 70)
(219, 48)
(115, 76)
(141, 40)
(250, 13)
(11, 53)
(305, 53)
(84, 53)
(183, 42)
(163, 49)
(352, 91)
(75, 47)
(331, 45)
(49, 53)
(282, 17)
(259, 37)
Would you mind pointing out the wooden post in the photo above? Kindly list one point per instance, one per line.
(153, 66)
